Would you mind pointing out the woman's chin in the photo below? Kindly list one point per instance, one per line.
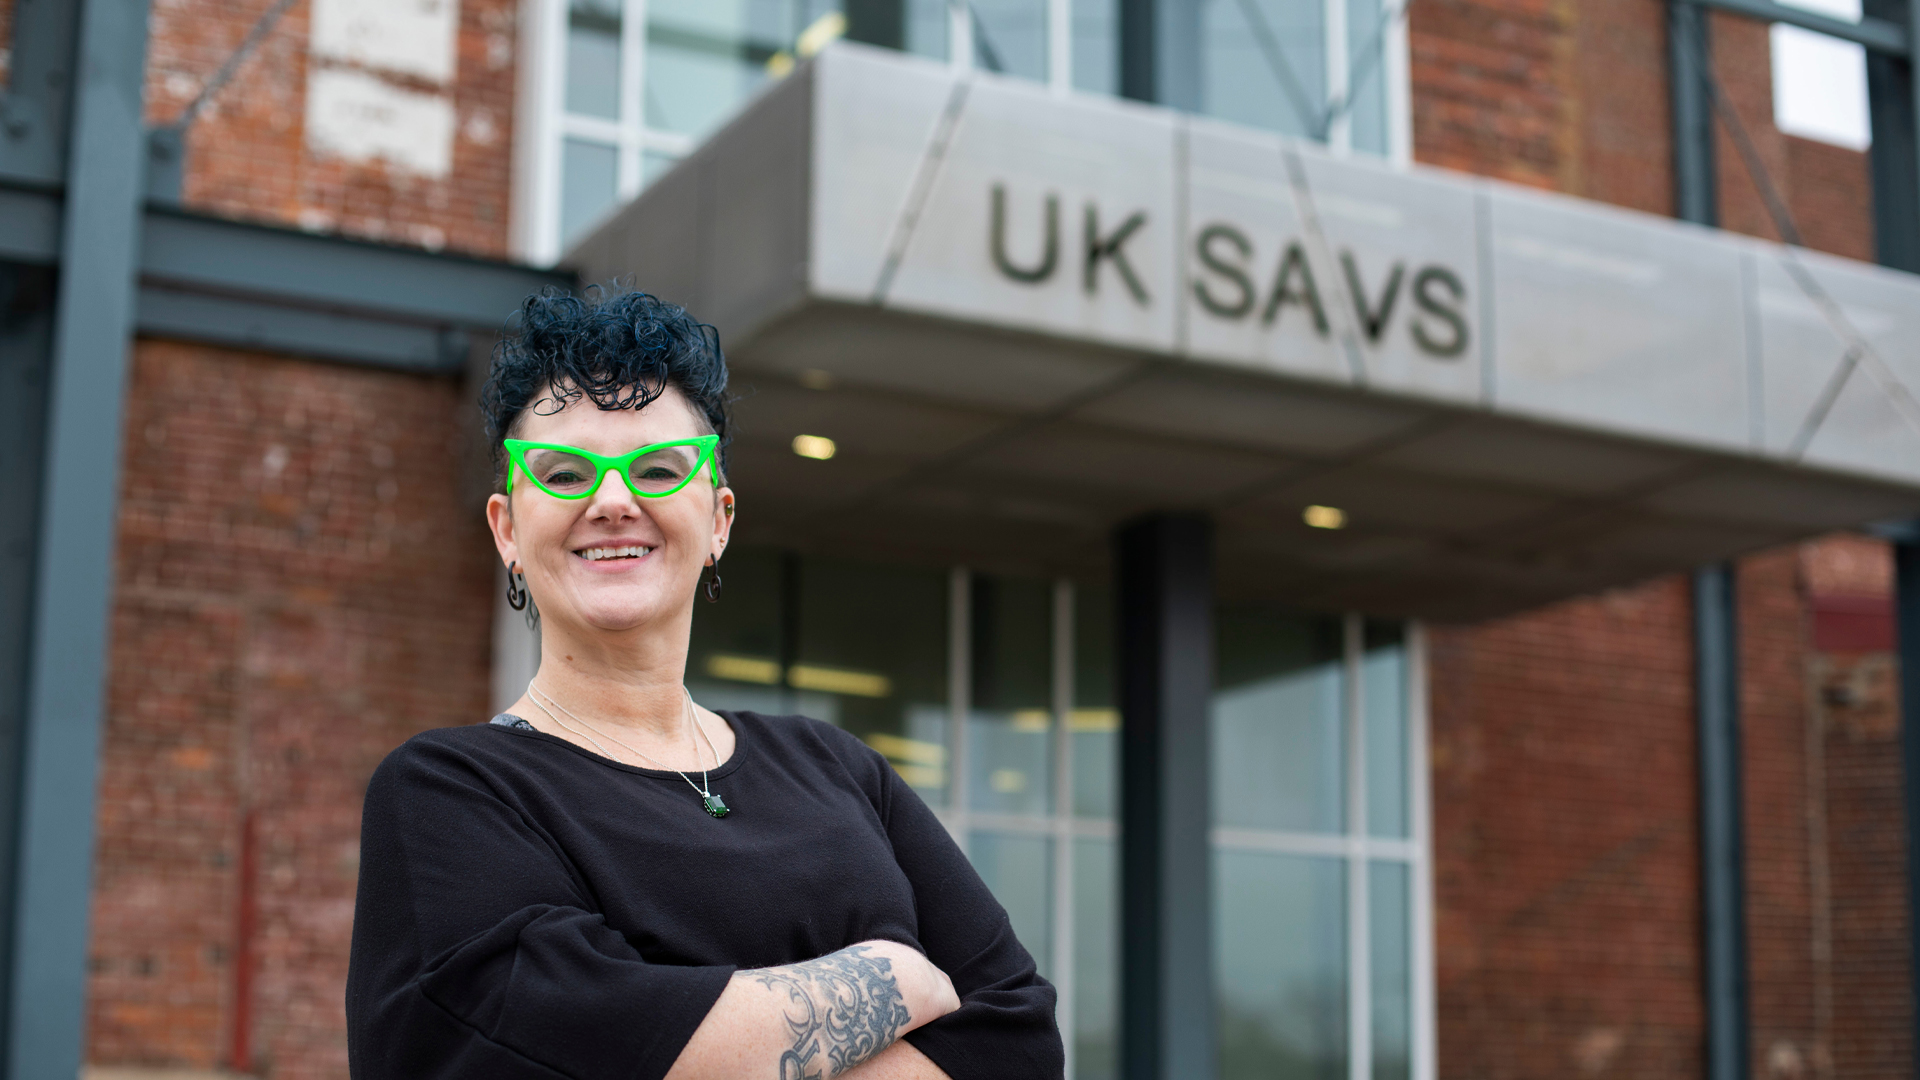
(618, 614)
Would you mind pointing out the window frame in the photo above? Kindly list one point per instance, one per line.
(543, 124)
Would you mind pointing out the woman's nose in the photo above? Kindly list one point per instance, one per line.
(611, 498)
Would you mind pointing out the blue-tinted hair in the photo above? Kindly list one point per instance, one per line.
(616, 348)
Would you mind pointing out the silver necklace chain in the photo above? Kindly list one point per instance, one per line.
(704, 787)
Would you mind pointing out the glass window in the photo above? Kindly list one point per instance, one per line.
(1018, 870)
(1314, 880)
(854, 644)
(1278, 719)
(1280, 958)
(1263, 63)
(593, 58)
(1096, 45)
(1392, 971)
(927, 25)
(1010, 36)
(1010, 730)
(1369, 25)
(1383, 694)
(1094, 720)
(588, 173)
(706, 57)
(1093, 1031)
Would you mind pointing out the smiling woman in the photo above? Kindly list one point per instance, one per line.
(609, 880)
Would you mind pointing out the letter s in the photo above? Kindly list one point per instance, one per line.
(1237, 276)
(1454, 342)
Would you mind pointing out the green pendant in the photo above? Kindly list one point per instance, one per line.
(715, 805)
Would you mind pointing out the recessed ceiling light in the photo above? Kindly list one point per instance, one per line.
(817, 447)
(815, 379)
(1319, 517)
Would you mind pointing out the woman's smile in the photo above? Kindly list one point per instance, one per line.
(614, 552)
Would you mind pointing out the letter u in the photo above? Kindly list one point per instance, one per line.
(1050, 255)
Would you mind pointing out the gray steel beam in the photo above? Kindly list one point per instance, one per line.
(1165, 591)
(292, 331)
(73, 571)
(1722, 858)
(196, 253)
(1696, 196)
(1894, 157)
(36, 106)
(1877, 34)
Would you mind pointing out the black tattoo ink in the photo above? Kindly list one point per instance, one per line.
(844, 1007)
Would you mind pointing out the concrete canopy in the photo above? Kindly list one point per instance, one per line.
(1025, 317)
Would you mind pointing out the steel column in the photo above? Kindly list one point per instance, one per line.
(1165, 592)
(1895, 154)
(1906, 598)
(1160, 52)
(73, 575)
(1689, 59)
(1722, 860)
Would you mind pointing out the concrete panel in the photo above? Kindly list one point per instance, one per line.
(1250, 413)
(1412, 288)
(1618, 321)
(1096, 266)
(1801, 352)
(1535, 457)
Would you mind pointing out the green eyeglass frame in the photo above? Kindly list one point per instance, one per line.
(623, 464)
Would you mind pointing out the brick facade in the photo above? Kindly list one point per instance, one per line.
(1568, 932)
(249, 155)
(301, 586)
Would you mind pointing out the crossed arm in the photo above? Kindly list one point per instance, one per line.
(840, 1015)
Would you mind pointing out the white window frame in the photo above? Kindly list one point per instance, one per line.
(1356, 846)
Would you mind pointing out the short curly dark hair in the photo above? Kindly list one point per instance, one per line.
(618, 348)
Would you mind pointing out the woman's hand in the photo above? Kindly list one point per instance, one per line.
(817, 1018)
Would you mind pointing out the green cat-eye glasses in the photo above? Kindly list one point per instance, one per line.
(651, 472)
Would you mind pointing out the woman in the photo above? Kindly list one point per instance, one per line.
(608, 880)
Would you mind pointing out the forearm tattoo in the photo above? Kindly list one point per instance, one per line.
(841, 1009)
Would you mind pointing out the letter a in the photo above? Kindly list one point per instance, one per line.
(1295, 261)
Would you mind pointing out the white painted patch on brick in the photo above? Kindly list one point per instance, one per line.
(356, 116)
(411, 37)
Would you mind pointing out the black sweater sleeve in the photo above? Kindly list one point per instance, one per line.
(477, 955)
(1005, 1028)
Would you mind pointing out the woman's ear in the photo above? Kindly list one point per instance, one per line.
(500, 523)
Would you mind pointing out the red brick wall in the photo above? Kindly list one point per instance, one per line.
(302, 583)
(248, 155)
(1865, 931)
(1564, 749)
(1566, 857)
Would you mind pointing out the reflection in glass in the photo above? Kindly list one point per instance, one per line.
(1367, 35)
(1277, 722)
(587, 176)
(857, 645)
(1016, 868)
(1263, 63)
(1010, 730)
(1096, 961)
(1094, 723)
(1391, 945)
(1096, 46)
(1383, 693)
(1280, 963)
(874, 640)
(706, 57)
(593, 58)
(1010, 36)
(927, 27)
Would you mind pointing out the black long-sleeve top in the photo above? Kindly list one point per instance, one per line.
(529, 909)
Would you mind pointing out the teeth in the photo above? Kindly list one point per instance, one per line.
(630, 551)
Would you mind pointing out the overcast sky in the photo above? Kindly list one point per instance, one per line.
(1819, 83)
